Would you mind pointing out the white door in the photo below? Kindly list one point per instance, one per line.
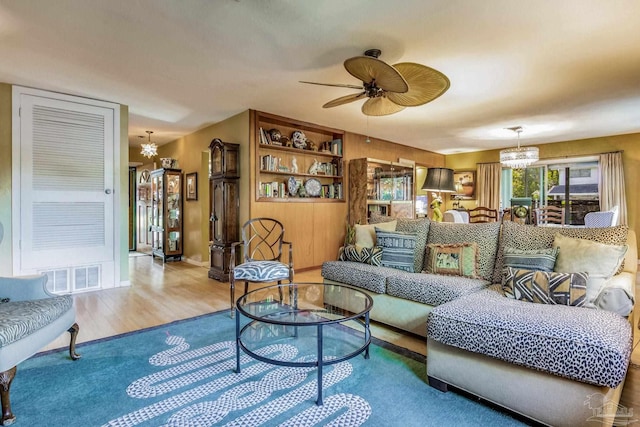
(65, 190)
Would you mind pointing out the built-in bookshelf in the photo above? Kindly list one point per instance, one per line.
(298, 161)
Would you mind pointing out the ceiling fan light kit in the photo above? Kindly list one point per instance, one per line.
(389, 88)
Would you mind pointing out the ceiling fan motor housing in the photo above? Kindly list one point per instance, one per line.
(375, 53)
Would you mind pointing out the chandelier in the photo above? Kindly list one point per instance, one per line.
(151, 149)
(520, 157)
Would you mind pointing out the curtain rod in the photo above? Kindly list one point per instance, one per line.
(562, 157)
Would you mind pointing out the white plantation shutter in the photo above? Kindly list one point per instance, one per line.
(67, 225)
(66, 184)
(68, 150)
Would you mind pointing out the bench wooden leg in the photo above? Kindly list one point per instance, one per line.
(73, 330)
(437, 384)
(6, 378)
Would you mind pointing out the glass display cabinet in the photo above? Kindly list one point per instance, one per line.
(166, 214)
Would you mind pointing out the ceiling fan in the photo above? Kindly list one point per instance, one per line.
(390, 88)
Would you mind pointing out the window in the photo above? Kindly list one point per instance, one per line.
(573, 186)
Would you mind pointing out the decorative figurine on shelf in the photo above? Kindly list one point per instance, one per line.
(299, 139)
(313, 170)
(294, 165)
(435, 205)
(275, 135)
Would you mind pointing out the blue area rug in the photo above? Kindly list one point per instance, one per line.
(182, 374)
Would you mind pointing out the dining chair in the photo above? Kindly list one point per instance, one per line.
(549, 214)
(483, 214)
(454, 215)
(261, 245)
(599, 219)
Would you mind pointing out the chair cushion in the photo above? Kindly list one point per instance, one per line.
(22, 318)
(591, 346)
(261, 271)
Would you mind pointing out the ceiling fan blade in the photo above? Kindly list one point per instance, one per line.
(425, 84)
(333, 84)
(380, 106)
(368, 69)
(345, 100)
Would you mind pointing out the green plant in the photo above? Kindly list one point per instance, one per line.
(350, 237)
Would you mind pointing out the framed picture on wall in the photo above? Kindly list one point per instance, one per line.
(192, 186)
(465, 183)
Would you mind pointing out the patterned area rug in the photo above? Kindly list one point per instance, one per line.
(182, 374)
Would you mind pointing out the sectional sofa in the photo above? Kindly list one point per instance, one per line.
(552, 363)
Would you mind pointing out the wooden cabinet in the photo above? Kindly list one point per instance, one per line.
(382, 187)
(297, 161)
(224, 191)
(166, 213)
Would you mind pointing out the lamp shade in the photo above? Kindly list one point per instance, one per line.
(439, 179)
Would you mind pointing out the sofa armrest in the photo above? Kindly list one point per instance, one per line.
(631, 257)
(618, 295)
(24, 288)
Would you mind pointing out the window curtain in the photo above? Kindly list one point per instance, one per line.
(488, 186)
(611, 186)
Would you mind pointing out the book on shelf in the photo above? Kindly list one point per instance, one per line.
(272, 189)
(271, 163)
(265, 139)
(336, 147)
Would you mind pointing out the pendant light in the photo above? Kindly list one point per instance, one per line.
(520, 157)
(151, 149)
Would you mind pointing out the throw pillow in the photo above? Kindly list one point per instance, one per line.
(530, 259)
(600, 260)
(397, 249)
(546, 287)
(357, 253)
(366, 234)
(419, 227)
(458, 259)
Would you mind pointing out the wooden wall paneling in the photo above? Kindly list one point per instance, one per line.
(329, 220)
(297, 219)
(387, 150)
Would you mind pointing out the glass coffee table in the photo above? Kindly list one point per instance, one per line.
(321, 334)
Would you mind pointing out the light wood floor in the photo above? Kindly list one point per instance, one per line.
(163, 293)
